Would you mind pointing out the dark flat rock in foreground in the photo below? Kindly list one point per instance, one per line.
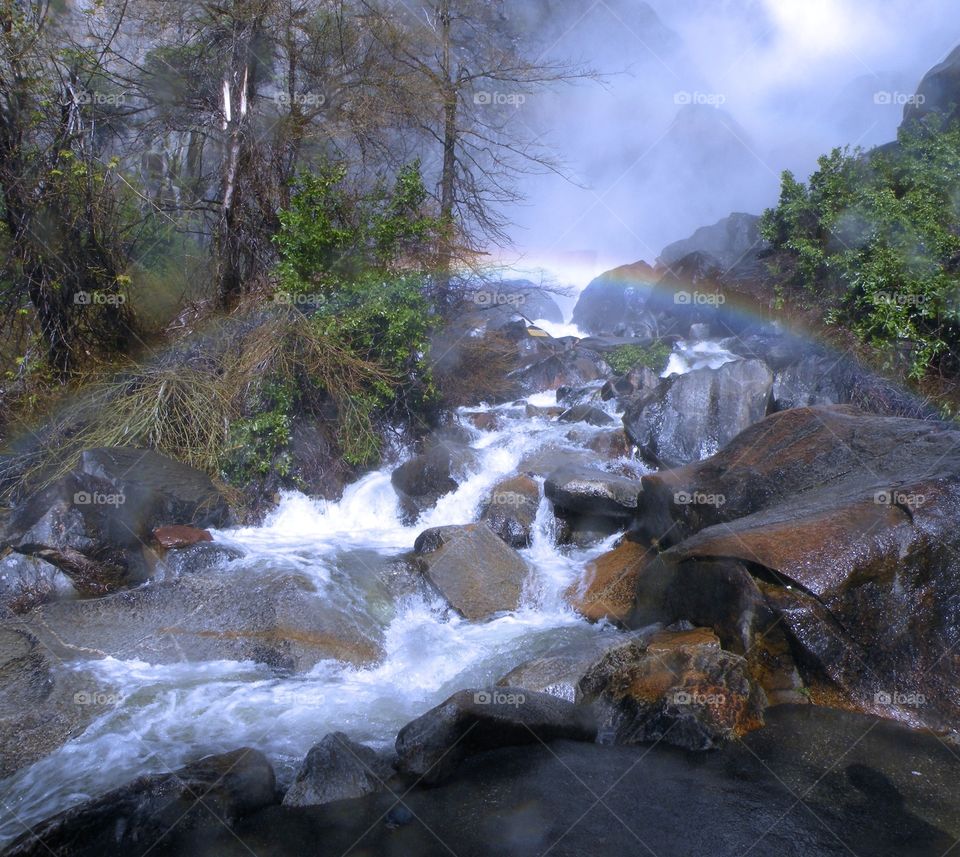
(813, 782)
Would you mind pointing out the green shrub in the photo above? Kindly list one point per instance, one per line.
(875, 241)
(357, 264)
(627, 357)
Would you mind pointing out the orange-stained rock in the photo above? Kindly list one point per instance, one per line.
(179, 536)
(850, 520)
(609, 589)
(679, 686)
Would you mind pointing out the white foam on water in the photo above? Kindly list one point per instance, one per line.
(691, 356)
(558, 330)
(168, 714)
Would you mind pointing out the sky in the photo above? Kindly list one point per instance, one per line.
(703, 104)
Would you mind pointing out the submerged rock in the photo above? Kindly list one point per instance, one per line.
(472, 568)
(336, 769)
(472, 721)
(140, 816)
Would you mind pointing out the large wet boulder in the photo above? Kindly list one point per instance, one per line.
(692, 416)
(588, 491)
(473, 721)
(608, 589)
(95, 523)
(427, 477)
(679, 687)
(472, 569)
(724, 596)
(27, 581)
(285, 623)
(820, 377)
(337, 768)
(849, 521)
(559, 672)
(615, 303)
(511, 510)
(813, 380)
(43, 703)
(143, 815)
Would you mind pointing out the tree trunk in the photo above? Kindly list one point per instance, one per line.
(448, 175)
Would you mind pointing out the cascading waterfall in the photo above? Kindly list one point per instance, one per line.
(167, 714)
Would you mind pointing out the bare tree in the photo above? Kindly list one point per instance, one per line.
(466, 78)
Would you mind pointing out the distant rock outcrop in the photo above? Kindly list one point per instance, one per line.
(939, 92)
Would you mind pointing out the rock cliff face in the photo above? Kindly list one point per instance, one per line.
(938, 93)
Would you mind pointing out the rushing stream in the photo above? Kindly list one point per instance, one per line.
(168, 714)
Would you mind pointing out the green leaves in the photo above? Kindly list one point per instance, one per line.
(628, 357)
(359, 264)
(875, 238)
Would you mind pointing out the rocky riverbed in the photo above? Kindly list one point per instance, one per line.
(705, 607)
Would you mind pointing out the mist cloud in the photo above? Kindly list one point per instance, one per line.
(705, 104)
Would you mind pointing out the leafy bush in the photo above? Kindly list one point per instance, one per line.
(874, 239)
(628, 357)
(357, 265)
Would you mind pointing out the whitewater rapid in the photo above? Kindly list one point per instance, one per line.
(168, 714)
